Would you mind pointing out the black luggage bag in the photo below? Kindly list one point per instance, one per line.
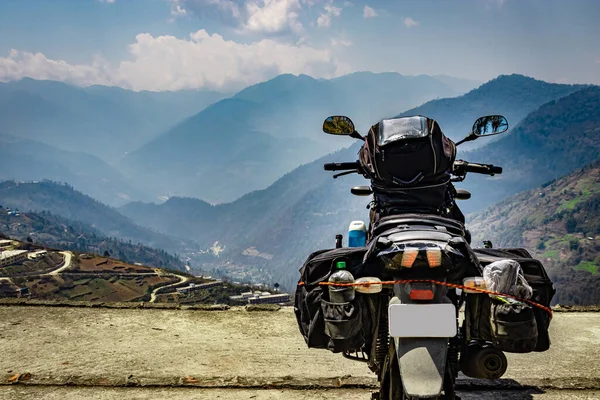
(334, 326)
(513, 328)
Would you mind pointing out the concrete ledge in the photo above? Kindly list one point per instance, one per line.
(262, 307)
(117, 305)
(287, 382)
(563, 308)
(207, 307)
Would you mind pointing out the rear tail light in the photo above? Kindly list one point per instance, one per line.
(434, 257)
(474, 282)
(421, 294)
(409, 257)
(420, 291)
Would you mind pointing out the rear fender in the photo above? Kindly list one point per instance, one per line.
(422, 361)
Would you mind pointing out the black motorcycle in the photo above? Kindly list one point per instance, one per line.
(418, 246)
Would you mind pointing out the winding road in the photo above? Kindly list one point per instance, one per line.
(182, 279)
(7, 280)
(66, 263)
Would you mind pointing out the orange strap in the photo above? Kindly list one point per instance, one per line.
(452, 285)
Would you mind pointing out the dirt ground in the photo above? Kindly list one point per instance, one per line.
(180, 354)
(61, 393)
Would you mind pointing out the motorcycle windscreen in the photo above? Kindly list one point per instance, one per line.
(396, 129)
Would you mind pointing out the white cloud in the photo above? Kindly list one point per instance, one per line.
(409, 22)
(169, 63)
(311, 3)
(227, 11)
(227, 6)
(324, 20)
(368, 12)
(598, 60)
(336, 42)
(273, 16)
(107, 1)
(178, 11)
(20, 64)
(249, 16)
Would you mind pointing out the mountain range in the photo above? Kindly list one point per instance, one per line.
(279, 226)
(249, 140)
(62, 200)
(559, 137)
(218, 150)
(104, 121)
(513, 96)
(57, 232)
(559, 223)
(25, 159)
(554, 130)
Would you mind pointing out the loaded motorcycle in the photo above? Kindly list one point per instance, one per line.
(401, 313)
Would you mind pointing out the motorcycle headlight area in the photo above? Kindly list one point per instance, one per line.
(417, 254)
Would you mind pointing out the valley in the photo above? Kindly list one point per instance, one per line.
(559, 223)
(36, 272)
(265, 235)
(299, 199)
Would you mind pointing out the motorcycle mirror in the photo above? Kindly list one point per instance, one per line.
(490, 125)
(486, 126)
(340, 125)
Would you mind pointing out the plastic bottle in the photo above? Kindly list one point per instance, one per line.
(341, 294)
(474, 282)
(374, 285)
(357, 234)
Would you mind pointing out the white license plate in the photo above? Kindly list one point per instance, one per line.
(422, 320)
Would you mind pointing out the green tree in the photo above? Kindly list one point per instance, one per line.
(570, 224)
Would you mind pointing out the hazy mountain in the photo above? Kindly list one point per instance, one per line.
(560, 224)
(460, 84)
(281, 221)
(104, 121)
(64, 201)
(248, 141)
(279, 226)
(513, 96)
(27, 160)
(60, 233)
(552, 141)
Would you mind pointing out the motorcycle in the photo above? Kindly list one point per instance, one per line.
(418, 347)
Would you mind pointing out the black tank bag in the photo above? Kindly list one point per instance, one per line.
(409, 161)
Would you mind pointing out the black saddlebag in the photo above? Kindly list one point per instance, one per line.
(513, 328)
(334, 326)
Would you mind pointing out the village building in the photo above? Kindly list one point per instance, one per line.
(9, 257)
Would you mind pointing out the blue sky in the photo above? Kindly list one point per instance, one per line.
(228, 44)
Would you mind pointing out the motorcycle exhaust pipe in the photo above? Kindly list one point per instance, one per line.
(483, 362)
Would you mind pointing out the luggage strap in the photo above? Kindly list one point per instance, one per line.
(451, 285)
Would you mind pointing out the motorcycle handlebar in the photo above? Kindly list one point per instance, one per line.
(486, 169)
(341, 166)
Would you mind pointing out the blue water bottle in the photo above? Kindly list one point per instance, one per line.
(357, 234)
